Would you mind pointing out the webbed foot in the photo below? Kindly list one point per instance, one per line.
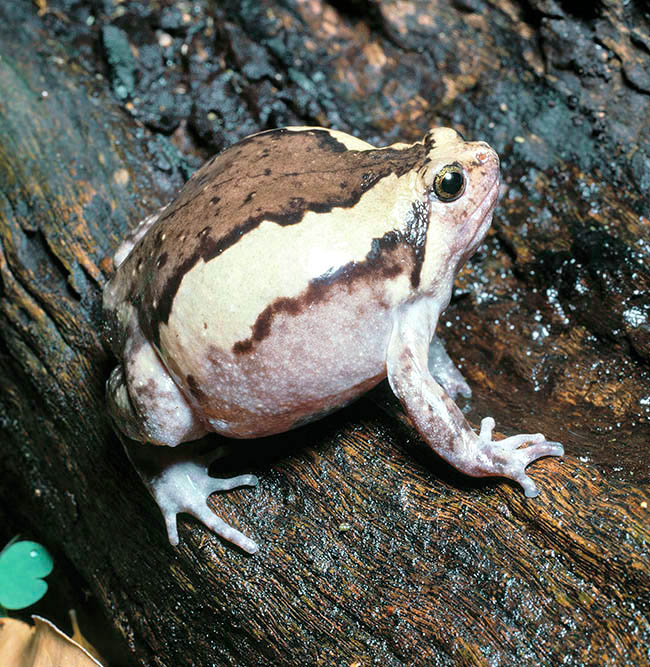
(185, 487)
(178, 479)
(504, 458)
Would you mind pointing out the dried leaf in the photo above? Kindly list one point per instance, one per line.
(40, 645)
(80, 639)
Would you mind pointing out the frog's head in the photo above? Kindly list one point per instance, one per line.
(461, 184)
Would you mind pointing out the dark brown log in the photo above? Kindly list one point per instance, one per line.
(373, 551)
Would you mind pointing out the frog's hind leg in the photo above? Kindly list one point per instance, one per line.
(148, 407)
(145, 402)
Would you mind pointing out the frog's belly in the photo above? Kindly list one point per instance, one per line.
(306, 364)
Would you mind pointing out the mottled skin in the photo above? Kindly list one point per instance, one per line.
(292, 273)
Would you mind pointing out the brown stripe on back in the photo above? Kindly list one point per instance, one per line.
(277, 176)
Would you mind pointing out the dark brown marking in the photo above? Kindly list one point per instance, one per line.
(417, 225)
(243, 346)
(194, 388)
(145, 392)
(162, 260)
(378, 261)
(391, 271)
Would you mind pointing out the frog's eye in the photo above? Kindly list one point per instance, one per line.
(449, 183)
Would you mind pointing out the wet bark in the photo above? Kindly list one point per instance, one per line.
(373, 550)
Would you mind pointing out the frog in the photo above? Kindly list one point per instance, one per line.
(295, 271)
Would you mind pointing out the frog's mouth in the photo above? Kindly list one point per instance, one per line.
(481, 219)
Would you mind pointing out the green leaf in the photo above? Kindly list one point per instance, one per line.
(22, 566)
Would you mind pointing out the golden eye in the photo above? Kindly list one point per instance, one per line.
(449, 183)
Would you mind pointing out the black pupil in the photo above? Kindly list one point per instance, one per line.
(452, 182)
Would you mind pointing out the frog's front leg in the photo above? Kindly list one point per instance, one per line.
(438, 419)
(178, 479)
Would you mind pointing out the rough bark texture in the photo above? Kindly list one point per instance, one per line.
(374, 552)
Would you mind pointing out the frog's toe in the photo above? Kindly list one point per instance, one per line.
(517, 460)
(542, 448)
(171, 523)
(206, 516)
(197, 507)
(213, 485)
(516, 441)
(487, 426)
(529, 487)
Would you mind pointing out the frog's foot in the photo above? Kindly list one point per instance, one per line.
(504, 458)
(183, 485)
(453, 382)
(445, 371)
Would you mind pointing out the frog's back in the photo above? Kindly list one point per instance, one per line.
(274, 179)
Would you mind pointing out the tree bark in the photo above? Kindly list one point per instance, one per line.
(373, 550)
